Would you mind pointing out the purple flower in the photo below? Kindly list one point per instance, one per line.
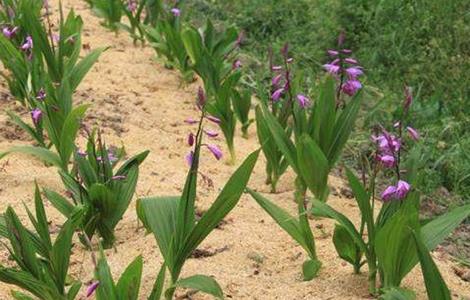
(215, 150)
(276, 80)
(402, 189)
(81, 153)
(9, 33)
(346, 51)
(190, 121)
(237, 64)
(214, 119)
(332, 68)
(277, 94)
(36, 115)
(303, 100)
(290, 60)
(201, 97)
(189, 158)
(351, 87)
(389, 193)
(28, 44)
(91, 288)
(276, 68)
(413, 133)
(41, 95)
(387, 160)
(118, 177)
(354, 72)
(191, 139)
(211, 133)
(387, 143)
(333, 52)
(176, 12)
(351, 61)
(132, 6)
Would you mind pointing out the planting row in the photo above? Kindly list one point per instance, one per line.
(301, 125)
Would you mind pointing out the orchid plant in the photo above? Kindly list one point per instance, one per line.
(41, 265)
(110, 10)
(320, 131)
(166, 38)
(395, 240)
(60, 72)
(213, 58)
(173, 219)
(104, 193)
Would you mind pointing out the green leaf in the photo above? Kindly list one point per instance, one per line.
(158, 214)
(284, 143)
(202, 283)
(157, 289)
(282, 218)
(346, 246)
(310, 269)
(343, 128)
(323, 209)
(43, 154)
(60, 203)
(73, 290)
(436, 287)
(20, 296)
(81, 69)
(224, 203)
(313, 167)
(106, 289)
(128, 285)
(397, 293)
(29, 129)
(324, 114)
(69, 132)
(60, 255)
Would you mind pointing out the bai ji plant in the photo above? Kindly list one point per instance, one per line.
(104, 193)
(51, 104)
(394, 241)
(41, 265)
(173, 219)
(320, 131)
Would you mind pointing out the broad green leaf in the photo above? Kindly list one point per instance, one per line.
(106, 289)
(225, 202)
(282, 218)
(436, 287)
(323, 209)
(346, 246)
(69, 132)
(343, 128)
(363, 201)
(324, 114)
(81, 69)
(20, 296)
(60, 203)
(396, 293)
(310, 269)
(313, 167)
(128, 285)
(43, 154)
(202, 283)
(158, 214)
(157, 289)
(60, 255)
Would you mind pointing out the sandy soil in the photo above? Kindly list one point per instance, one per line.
(143, 105)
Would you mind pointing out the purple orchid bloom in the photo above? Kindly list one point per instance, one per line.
(354, 72)
(9, 33)
(215, 150)
(276, 68)
(331, 68)
(276, 80)
(402, 189)
(36, 115)
(389, 193)
(332, 52)
(191, 139)
(201, 97)
(190, 121)
(41, 95)
(91, 288)
(277, 94)
(118, 177)
(214, 119)
(190, 158)
(303, 100)
(351, 87)
(237, 64)
(414, 134)
(351, 61)
(387, 160)
(176, 12)
(28, 44)
(211, 133)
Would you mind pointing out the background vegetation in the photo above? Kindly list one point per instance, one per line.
(422, 43)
